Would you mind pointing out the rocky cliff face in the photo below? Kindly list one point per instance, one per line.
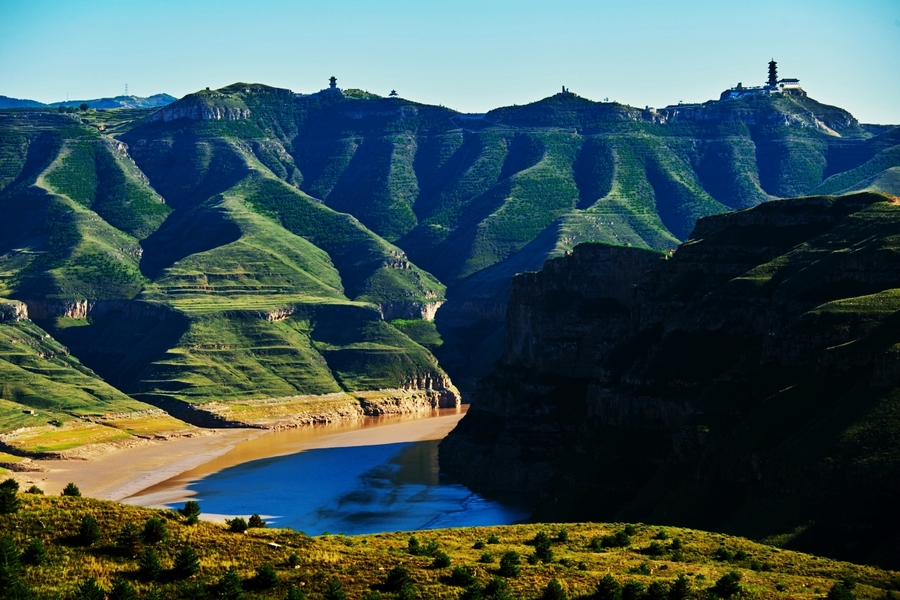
(743, 384)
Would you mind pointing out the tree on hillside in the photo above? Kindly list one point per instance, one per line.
(9, 500)
(187, 563)
(191, 512)
(83, 107)
(608, 589)
(154, 531)
(88, 531)
(71, 490)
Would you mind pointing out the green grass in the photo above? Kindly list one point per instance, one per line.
(361, 563)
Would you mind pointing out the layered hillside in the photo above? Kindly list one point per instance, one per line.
(250, 243)
(747, 383)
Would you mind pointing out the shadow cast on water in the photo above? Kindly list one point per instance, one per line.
(354, 490)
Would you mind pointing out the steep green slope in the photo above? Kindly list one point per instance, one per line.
(748, 383)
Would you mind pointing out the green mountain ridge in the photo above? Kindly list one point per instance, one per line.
(229, 235)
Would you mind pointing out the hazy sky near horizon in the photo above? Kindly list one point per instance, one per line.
(466, 54)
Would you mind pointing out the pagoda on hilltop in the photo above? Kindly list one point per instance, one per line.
(786, 86)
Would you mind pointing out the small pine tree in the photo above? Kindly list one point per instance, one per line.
(441, 560)
(843, 589)
(396, 579)
(256, 521)
(334, 590)
(461, 577)
(486, 557)
(266, 577)
(88, 531)
(510, 564)
(473, 592)
(657, 590)
(9, 563)
(154, 531)
(35, 490)
(34, 553)
(632, 590)
(497, 589)
(149, 567)
(608, 589)
(128, 540)
(493, 539)
(680, 589)
(237, 525)
(190, 512)
(187, 563)
(368, 595)
(9, 499)
(413, 546)
(407, 592)
(562, 536)
(89, 589)
(122, 590)
(71, 490)
(542, 549)
(230, 586)
(728, 585)
(296, 593)
(293, 560)
(554, 591)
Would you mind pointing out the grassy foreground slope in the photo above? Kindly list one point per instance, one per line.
(361, 565)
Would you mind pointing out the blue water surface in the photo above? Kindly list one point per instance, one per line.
(355, 490)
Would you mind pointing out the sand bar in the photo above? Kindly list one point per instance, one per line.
(157, 473)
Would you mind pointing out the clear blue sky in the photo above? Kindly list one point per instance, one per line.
(466, 54)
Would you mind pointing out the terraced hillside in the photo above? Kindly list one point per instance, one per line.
(748, 383)
(250, 243)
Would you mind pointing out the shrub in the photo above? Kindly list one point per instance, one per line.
(71, 490)
(334, 590)
(486, 557)
(655, 549)
(293, 559)
(843, 589)
(256, 521)
(473, 592)
(740, 555)
(641, 569)
(237, 525)
(230, 587)
(554, 591)
(128, 540)
(542, 550)
(413, 546)
(657, 590)
(632, 590)
(630, 530)
(493, 539)
(191, 512)
(608, 589)
(596, 544)
(676, 544)
(562, 535)
(122, 590)
(406, 593)
(497, 589)
(149, 568)
(34, 553)
(510, 564)
(296, 593)
(461, 577)
(619, 540)
(369, 595)
(441, 560)
(728, 585)
(680, 588)
(154, 531)
(478, 545)
(187, 563)
(266, 577)
(9, 563)
(396, 579)
(35, 490)
(89, 589)
(723, 554)
(662, 534)
(9, 500)
(88, 531)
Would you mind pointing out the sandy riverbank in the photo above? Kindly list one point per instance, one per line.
(157, 473)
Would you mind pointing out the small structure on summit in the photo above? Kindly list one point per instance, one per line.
(332, 82)
(787, 86)
(393, 94)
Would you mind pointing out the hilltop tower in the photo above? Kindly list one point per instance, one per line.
(773, 74)
(332, 82)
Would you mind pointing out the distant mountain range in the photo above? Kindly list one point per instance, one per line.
(154, 101)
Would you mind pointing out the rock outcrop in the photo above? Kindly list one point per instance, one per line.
(742, 384)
